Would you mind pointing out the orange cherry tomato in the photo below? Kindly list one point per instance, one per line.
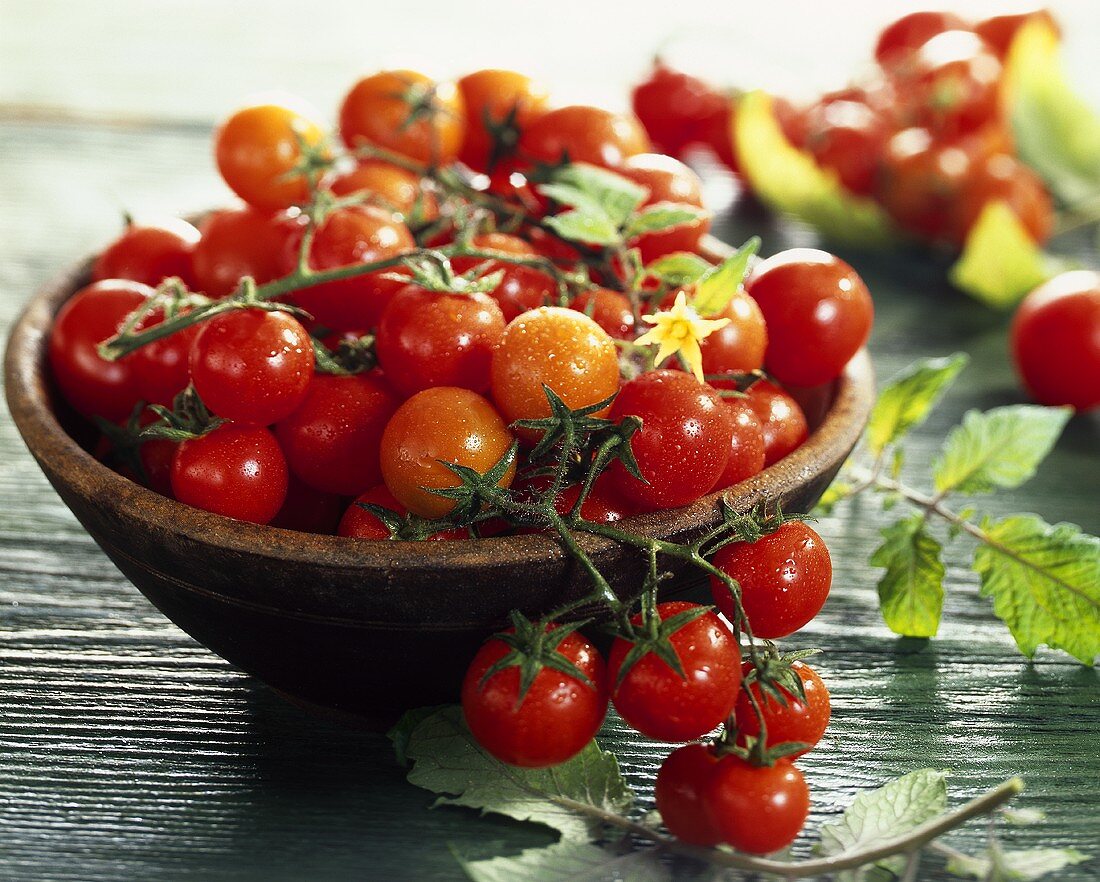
(500, 104)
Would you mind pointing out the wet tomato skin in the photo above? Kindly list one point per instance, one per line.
(149, 253)
(797, 720)
(781, 419)
(747, 448)
(757, 809)
(238, 242)
(682, 783)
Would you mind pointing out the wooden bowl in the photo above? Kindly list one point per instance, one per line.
(362, 627)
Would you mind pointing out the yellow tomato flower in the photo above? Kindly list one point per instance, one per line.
(679, 330)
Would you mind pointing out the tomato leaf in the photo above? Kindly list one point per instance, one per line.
(790, 181)
(1000, 262)
(1045, 583)
(908, 398)
(911, 592)
(892, 810)
(579, 226)
(678, 269)
(661, 216)
(448, 761)
(1001, 447)
(717, 286)
(567, 862)
(1022, 865)
(1056, 132)
(595, 190)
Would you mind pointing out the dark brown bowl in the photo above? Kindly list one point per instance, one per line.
(361, 627)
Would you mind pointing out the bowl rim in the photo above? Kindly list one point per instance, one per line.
(58, 453)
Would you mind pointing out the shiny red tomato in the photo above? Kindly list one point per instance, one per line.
(797, 720)
(657, 701)
(782, 420)
(252, 366)
(500, 104)
(389, 186)
(1002, 178)
(601, 506)
(1056, 341)
(161, 369)
(358, 523)
(608, 309)
(149, 253)
(818, 313)
(93, 386)
(747, 449)
(581, 133)
(757, 809)
(683, 445)
(257, 149)
(920, 180)
(332, 439)
(552, 722)
(905, 36)
(667, 180)
(737, 347)
(522, 287)
(155, 456)
(406, 112)
(239, 242)
(784, 576)
(682, 784)
(235, 470)
(674, 107)
(847, 137)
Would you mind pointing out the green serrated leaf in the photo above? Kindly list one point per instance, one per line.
(907, 399)
(615, 196)
(998, 448)
(1000, 262)
(911, 592)
(1023, 864)
(661, 216)
(678, 269)
(569, 862)
(448, 761)
(892, 810)
(717, 286)
(404, 727)
(792, 182)
(578, 226)
(1045, 583)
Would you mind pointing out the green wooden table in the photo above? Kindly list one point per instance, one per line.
(127, 751)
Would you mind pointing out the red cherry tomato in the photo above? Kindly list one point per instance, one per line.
(581, 133)
(1056, 341)
(757, 809)
(358, 523)
(784, 577)
(95, 387)
(257, 149)
(797, 720)
(238, 242)
(682, 784)
(906, 35)
(999, 31)
(308, 510)
(818, 313)
(441, 424)
(847, 137)
(349, 236)
(522, 287)
(1001, 178)
(683, 445)
(149, 253)
(235, 470)
(747, 449)
(657, 701)
(406, 112)
(601, 505)
(920, 180)
(668, 181)
(608, 309)
(552, 722)
(427, 338)
(782, 420)
(500, 104)
(674, 107)
(155, 455)
(717, 131)
(392, 186)
(252, 366)
(161, 369)
(737, 347)
(332, 440)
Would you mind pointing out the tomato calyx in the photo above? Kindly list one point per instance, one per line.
(126, 441)
(753, 525)
(654, 633)
(534, 646)
(188, 418)
(775, 676)
(476, 490)
(350, 356)
(504, 133)
(433, 272)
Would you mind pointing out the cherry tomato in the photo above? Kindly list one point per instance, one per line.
(1001, 178)
(394, 188)
(782, 420)
(155, 455)
(93, 386)
(717, 131)
(559, 348)
(405, 112)
(238, 242)
(522, 287)
(680, 790)
(747, 449)
(349, 236)
(358, 523)
(608, 309)
(999, 31)
(757, 809)
(818, 313)
(257, 149)
(657, 701)
(798, 720)
(149, 253)
(735, 348)
(601, 505)
(442, 423)
(252, 366)
(784, 577)
(500, 104)
(427, 338)
(581, 133)
(1056, 341)
(847, 137)
(308, 510)
(673, 107)
(920, 180)
(683, 445)
(906, 35)
(161, 369)
(668, 181)
(235, 470)
(332, 440)
(552, 722)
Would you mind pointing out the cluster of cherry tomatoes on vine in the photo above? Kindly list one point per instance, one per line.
(440, 365)
(925, 132)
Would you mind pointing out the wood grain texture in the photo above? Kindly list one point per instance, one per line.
(129, 752)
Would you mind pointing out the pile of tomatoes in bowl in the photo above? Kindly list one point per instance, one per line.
(258, 387)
